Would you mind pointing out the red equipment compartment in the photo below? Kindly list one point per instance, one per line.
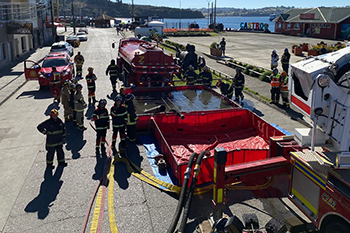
(243, 134)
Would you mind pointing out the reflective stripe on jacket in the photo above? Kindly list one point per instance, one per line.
(284, 84)
(276, 81)
(55, 132)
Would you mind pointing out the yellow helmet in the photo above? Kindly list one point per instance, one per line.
(54, 112)
(90, 69)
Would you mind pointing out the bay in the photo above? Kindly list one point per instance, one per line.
(228, 22)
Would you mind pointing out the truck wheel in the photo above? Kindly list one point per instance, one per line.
(275, 226)
(337, 227)
(251, 221)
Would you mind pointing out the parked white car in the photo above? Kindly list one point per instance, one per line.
(82, 36)
(62, 46)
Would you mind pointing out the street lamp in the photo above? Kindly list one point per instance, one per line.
(180, 16)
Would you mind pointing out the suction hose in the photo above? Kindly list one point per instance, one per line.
(177, 113)
(196, 171)
(178, 211)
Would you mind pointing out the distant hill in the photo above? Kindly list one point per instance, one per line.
(227, 11)
(93, 8)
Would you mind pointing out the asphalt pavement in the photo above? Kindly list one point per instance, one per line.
(34, 200)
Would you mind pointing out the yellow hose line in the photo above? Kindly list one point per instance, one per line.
(111, 214)
(96, 214)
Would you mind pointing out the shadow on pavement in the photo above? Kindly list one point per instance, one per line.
(100, 162)
(294, 115)
(89, 111)
(49, 190)
(75, 140)
(112, 95)
(37, 94)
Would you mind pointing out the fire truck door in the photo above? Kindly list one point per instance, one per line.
(304, 190)
(31, 70)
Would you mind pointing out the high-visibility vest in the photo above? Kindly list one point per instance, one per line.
(56, 77)
(276, 81)
(284, 84)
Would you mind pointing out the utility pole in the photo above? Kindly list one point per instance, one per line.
(64, 15)
(52, 23)
(208, 13)
(132, 11)
(180, 16)
(215, 17)
(73, 18)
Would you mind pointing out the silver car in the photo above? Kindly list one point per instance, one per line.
(82, 36)
(62, 46)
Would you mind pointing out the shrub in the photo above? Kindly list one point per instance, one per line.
(214, 45)
(251, 73)
(249, 67)
(267, 73)
(240, 63)
(246, 71)
(256, 69)
(264, 78)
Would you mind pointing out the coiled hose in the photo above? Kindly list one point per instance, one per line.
(196, 171)
(178, 211)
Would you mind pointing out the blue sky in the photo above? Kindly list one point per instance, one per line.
(240, 4)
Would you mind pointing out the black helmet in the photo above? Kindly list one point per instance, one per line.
(275, 71)
(79, 86)
(113, 62)
(129, 97)
(102, 101)
(118, 98)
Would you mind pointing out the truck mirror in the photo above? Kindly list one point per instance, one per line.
(113, 45)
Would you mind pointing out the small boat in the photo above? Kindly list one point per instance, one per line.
(272, 16)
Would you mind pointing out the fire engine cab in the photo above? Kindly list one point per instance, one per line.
(320, 177)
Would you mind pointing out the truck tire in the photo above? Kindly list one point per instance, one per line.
(337, 227)
(234, 225)
(251, 221)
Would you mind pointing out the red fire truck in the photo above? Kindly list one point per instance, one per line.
(144, 64)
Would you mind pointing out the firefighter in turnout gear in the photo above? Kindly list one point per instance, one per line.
(101, 118)
(79, 61)
(275, 86)
(91, 85)
(225, 88)
(132, 118)
(238, 82)
(65, 96)
(190, 76)
(114, 73)
(55, 84)
(206, 76)
(119, 117)
(73, 90)
(55, 132)
(285, 60)
(284, 89)
(79, 105)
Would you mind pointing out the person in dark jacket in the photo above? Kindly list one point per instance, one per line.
(55, 132)
(114, 73)
(225, 88)
(238, 82)
(91, 85)
(190, 76)
(206, 76)
(71, 102)
(101, 118)
(119, 118)
(132, 118)
(285, 60)
(223, 46)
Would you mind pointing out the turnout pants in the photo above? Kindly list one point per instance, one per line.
(100, 138)
(285, 67)
(239, 93)
(55, 90)
(121, 130)
(275, 95)
(79, 69)
(131, 130)
(80, 119)
(113, 82)
(91, 94)
(285, 95)
(51, 153)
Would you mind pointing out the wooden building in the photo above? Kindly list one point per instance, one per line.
(320, 22)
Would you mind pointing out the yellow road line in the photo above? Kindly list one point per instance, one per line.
(96, 211)
(111, 215)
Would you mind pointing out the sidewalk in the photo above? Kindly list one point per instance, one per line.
(12, 76)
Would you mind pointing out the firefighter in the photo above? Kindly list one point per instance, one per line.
(79, 61)
(114, 73)
(223, 46)
(55, 84)
(206, 76)
(285, 60)
(225, 88)
(79, 105)
(132, 118)
(73, 90)
(119, 117)
(238, 82)
(55, 132)
(274, 60)
(275, 86)
(91, 85)
(65, 97)
(122, 93)
(190, 76)
(284, 89)
(201, 63)
(101, 118)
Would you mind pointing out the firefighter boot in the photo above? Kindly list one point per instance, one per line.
(113, 145)
(89, 100)
(114, 88)
(63, 164)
